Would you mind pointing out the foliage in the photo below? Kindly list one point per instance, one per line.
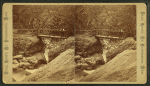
(111, 17)
(43, 17)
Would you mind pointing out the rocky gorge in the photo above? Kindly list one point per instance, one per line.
(75, 59)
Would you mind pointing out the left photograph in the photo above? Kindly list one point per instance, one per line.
(43, 43)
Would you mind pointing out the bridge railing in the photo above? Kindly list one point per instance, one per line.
(61, 33)
(105, 32)
(48, 32)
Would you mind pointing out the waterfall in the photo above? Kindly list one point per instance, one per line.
(104, 55)
(46, 54)
(47, 43)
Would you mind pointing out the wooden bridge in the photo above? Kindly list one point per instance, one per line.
(63, 34)
(107, 34)
(52, 34)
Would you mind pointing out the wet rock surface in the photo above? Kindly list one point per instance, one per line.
(18, 57)
(90, 62)
(29, 62)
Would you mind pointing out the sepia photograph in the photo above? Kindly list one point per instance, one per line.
(81, 43)
(105, 43)
(43, 43)
(74, 43)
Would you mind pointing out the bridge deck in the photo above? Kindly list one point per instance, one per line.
(47, 31)
(59, 37)
(108, 37)
(50, 36)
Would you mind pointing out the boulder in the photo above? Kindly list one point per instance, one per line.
(20, 60)
(121, 68)
(37, 58)
(87, 45)
(95, 59)
(21, 65)
(21, 53)
(133, 47)
(32, 59)
(15, 66)
(24, 59)
(60, 69)
(18, 57)
(24, 64)
(55, 51)
(29, 62)
(81, 66)
(91, 62)
(128, 43)
(77, 58)
(31, 67)
(35, 61)
(15, 62)
(27, 45)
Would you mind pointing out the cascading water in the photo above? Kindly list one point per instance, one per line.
(104, 55)
(47, 42)
(46, 54)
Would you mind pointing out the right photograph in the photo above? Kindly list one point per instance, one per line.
(105, 43)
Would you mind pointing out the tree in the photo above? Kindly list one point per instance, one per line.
(43, 17)
(111, 17)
